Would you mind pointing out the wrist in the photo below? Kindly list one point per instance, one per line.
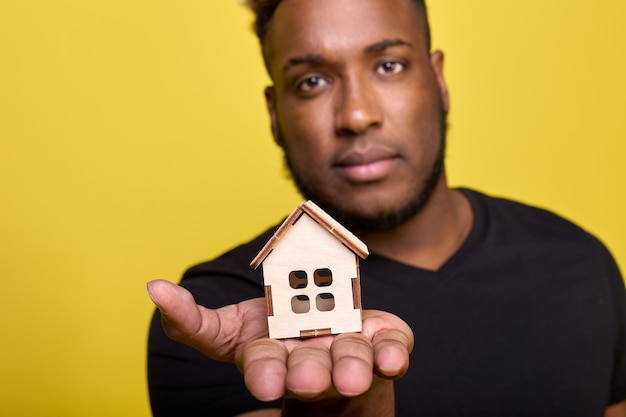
(378, 401)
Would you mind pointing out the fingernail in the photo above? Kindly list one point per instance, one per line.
(149, 287)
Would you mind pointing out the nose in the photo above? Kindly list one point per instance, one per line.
(358, 107)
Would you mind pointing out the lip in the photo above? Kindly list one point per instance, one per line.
(368, 165)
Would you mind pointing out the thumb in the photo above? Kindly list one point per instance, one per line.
(182, 319)
(218, 334)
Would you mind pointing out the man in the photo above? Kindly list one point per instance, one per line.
(504, 309)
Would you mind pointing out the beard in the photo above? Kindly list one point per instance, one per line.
(358, 222)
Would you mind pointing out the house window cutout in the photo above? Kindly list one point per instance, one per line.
(323, 277)
(298, 279)
(325, 302)
(300, 304)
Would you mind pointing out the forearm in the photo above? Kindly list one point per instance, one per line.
(377, 402)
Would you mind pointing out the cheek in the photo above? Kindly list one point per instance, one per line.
(413, 100)
(415, 103)
(415, 123)
(411, 119)
(306, 132)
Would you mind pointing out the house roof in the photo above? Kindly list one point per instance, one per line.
(323, 219)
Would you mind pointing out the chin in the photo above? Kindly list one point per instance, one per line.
(370, 213)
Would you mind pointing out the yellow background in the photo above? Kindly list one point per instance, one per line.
(134, 142)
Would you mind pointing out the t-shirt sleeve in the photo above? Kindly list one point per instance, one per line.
(618, 383)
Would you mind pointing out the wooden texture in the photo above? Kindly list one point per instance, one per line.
(335, 228)
(268, 301)
(323, 219)
(311, 274)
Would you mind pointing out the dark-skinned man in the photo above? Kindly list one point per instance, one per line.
(504, 309)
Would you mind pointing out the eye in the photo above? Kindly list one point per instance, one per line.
(390, 68)
(311, 83)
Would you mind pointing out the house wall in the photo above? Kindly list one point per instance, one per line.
(307, 247)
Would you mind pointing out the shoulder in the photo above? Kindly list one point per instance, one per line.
(504, 216)
(228, 278)
(234, 260)
(508, 223)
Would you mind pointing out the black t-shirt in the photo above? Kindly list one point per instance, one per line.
(527, 318)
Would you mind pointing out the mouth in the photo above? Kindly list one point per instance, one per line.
(369, 165)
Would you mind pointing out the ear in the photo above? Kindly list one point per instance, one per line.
(270, 102)
(436, 61)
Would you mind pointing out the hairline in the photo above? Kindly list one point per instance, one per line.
(264, 13)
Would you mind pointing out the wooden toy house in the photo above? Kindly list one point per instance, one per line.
(311, 276)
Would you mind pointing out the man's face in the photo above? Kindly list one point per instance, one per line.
(358, 105)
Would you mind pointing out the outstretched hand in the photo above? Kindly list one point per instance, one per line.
(346, 365)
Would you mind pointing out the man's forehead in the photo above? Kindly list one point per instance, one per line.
(316, 27)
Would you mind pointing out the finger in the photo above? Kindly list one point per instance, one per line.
(264, 366)
(309, 368)
(392, 340)
(391, 355)
(180, 316)
(216, 333)
(353, 362)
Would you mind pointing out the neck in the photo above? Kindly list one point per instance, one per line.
(431, 237)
